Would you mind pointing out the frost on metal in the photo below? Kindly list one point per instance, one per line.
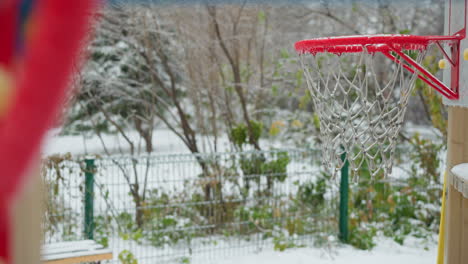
(361, 100)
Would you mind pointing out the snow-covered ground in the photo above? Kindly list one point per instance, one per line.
(386, 252)
(164, 142)
(414, 251)
(423, 131)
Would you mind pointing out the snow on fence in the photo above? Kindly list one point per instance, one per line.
(190, 208)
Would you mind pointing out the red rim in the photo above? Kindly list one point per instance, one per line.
(369, 43)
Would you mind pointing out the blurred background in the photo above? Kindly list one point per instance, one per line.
(193, 125)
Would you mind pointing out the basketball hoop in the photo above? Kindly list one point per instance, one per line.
(360, 86)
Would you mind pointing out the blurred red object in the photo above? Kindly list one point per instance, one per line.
(41, 74)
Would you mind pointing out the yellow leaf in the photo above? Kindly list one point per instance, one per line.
(297, 124)
(276, 127)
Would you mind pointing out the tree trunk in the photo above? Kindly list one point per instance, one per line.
(139, 212)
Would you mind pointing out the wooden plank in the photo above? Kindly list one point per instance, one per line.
(81, 259)
(454, 226)
(457, 152)
(464, 235)
(27, 213)
(76, 254)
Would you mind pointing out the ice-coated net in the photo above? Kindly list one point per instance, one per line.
(360, 99)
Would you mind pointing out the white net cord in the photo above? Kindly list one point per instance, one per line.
(361, 110)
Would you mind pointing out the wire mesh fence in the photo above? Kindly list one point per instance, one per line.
(192, 208)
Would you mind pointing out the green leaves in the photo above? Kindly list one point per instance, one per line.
(277, 167)
(316, 121)
(285, 54)
(135, 235)
(299, 76)
(276, 127)
(312, 193)
(257, 128)
(405, 31)
(362, 237)
(127, 257)
(274, 90)
(240, 134)
(261, 16)
(305, 100)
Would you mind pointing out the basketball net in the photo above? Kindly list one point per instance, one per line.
(361, 110)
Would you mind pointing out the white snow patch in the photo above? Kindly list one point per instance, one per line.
(387, 252)
(226, 251)
(461, 170)
(424, 131)
(164, 141)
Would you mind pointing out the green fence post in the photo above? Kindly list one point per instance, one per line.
(344, 188)
(89, 199)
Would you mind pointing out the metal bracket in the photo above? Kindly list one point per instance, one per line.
(451, 92)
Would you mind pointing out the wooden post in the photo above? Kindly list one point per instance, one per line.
(27, 212)
(456, 249)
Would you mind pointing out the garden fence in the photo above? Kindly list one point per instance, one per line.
(191, 208)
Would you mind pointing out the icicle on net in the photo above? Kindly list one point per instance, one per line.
(361, 108)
